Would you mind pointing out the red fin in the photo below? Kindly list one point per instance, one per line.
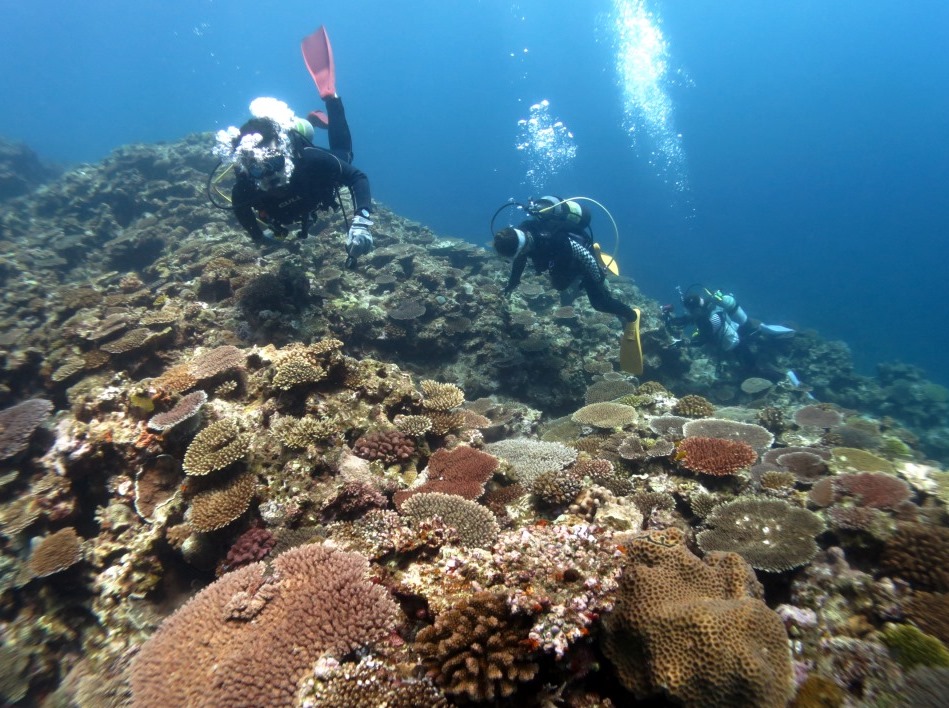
(318, 55)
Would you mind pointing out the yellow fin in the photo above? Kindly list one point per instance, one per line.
(630, 348)
(606, 260)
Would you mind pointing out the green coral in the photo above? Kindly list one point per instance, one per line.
(911, 647)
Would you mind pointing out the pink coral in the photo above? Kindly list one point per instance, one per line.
(874, 489)
(715, 456)
(251, 546)
(462, 471)
(249, 637)
(388, 446)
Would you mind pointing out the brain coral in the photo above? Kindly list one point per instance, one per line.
(756, 436)
(770, 534)
(249, 637)
(214, 448)
(477, 649)
(696, 630)
(606, 415)
(17, 424)
(713, 456)
(475, 524)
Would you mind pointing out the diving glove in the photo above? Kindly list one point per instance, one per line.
(359, 240)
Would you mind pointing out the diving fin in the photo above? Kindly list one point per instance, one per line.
(318, 119)
(630, 348)
(606, 260)
(318, 55)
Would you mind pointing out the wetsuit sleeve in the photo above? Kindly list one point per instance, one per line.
(517, 270)
(318, 161)
(242, 196)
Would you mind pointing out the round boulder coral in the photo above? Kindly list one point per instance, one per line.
(692, 406)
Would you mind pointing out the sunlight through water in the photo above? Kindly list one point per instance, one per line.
(642, 63)
(546, 144)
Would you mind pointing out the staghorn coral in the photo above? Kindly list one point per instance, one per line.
(249, 637)
(770, 534)
(695, 629)
(693, 406)
(754, 435)
(462, 471)
(818, 416)
(55, 553)
(477, 649)
(368, 684)
(445, 422)
(388, 446)
(187, 408)
(919, 553)
(475, 524)
(606, 415)
(297, 371)
(19, 422)
(530, 458)
(714, 456)
(441, 396)
(217, 446)
(215, 362)
(215, 508)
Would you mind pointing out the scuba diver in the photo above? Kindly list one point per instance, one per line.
(721, 324)
(558, 240)
(281, 178)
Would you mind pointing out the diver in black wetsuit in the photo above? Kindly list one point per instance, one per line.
(556, 242)
(282, 178)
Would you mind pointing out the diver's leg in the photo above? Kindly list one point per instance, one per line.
(603, 300)
(341, 141)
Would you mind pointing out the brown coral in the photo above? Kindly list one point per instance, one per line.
(215, 508)
(606, 415)
(18, 423)
(817, 416)
(477, 650)
(249, 637)
(55, 553)
(713, 456)
(216, 447)
(696, 629)
(693, 406)
(368, 684)
(216, 361)
(770, 534)
(756, 436)
(919, 553)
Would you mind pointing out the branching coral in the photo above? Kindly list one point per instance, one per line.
(215, 508)
(477, 649)
(463, 471)
(219, 445)
(714, 456)
(249, 637)
(439, 396)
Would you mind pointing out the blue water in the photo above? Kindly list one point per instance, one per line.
(794, 153)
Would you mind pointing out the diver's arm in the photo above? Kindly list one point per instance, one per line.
(242, 196)
(517, 269)
(358, 184)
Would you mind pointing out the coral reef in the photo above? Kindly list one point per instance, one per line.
(714, 456)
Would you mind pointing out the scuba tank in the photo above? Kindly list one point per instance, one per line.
(567, 211)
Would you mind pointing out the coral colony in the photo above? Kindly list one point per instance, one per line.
(231, 477)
